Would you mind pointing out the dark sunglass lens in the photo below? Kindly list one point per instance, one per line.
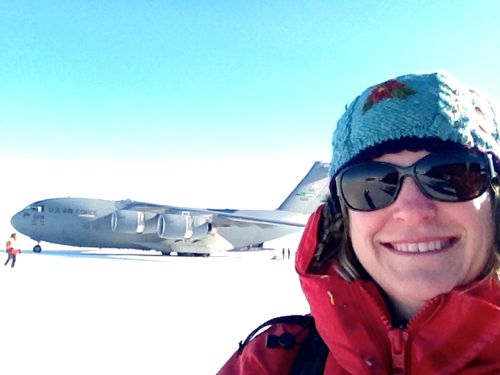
(369, 186)
(453, 178)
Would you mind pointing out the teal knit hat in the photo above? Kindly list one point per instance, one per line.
(416, 107)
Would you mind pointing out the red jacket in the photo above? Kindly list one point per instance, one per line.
(11, 247)
(454, 333)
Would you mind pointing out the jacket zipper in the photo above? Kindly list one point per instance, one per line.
(398, 337)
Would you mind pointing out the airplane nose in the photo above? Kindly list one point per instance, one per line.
(15, 221)
(24, 223)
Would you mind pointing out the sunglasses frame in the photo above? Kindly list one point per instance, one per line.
(411, 171)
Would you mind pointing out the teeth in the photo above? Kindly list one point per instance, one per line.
(421, 247)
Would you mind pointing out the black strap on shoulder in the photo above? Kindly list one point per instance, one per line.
(286, 340)
(311, 358)
(312, 354)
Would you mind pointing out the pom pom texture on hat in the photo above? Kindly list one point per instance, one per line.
(423, 106)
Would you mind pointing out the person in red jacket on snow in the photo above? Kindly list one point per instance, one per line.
(401, 265)
(12, 250)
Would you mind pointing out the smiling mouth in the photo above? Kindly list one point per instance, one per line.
(421, 247)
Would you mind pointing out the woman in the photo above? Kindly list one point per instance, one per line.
(401, 266)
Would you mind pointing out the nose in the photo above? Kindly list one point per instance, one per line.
(20, 221)
(411, 204)
(16, 221)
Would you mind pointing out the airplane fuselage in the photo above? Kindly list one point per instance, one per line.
(87, 222)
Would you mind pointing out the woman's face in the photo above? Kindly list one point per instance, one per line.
(457, 237)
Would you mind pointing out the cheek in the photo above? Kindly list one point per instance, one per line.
(362, 227)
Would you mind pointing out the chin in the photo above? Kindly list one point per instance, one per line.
(425, 289)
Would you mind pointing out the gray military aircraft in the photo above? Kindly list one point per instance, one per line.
(128, 224)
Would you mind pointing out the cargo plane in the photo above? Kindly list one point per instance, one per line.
(128, 224)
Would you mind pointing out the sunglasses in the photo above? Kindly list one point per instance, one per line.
(455, 176)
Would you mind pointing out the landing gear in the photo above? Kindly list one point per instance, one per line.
(37, 248)
(165, 253)
(204, 255)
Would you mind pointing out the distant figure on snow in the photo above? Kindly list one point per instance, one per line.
(12, 249)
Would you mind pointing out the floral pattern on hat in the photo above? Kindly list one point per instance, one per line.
(416, 106)
(387, 90)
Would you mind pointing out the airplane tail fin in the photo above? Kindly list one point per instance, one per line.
(310, 192)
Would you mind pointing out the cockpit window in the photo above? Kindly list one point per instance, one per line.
(35, 207)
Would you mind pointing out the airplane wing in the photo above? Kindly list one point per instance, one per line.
(293, 212)
(246, 216)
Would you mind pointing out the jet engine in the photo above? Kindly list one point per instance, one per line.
(127, 221)
(183, 226)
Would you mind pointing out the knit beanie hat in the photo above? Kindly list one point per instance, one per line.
(416, 111)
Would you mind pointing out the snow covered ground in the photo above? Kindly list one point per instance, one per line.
(133, 312)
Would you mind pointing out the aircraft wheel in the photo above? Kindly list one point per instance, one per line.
(165, 253)
(37, 248)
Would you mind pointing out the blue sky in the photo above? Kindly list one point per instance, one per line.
(156, 81)
(119, 80)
